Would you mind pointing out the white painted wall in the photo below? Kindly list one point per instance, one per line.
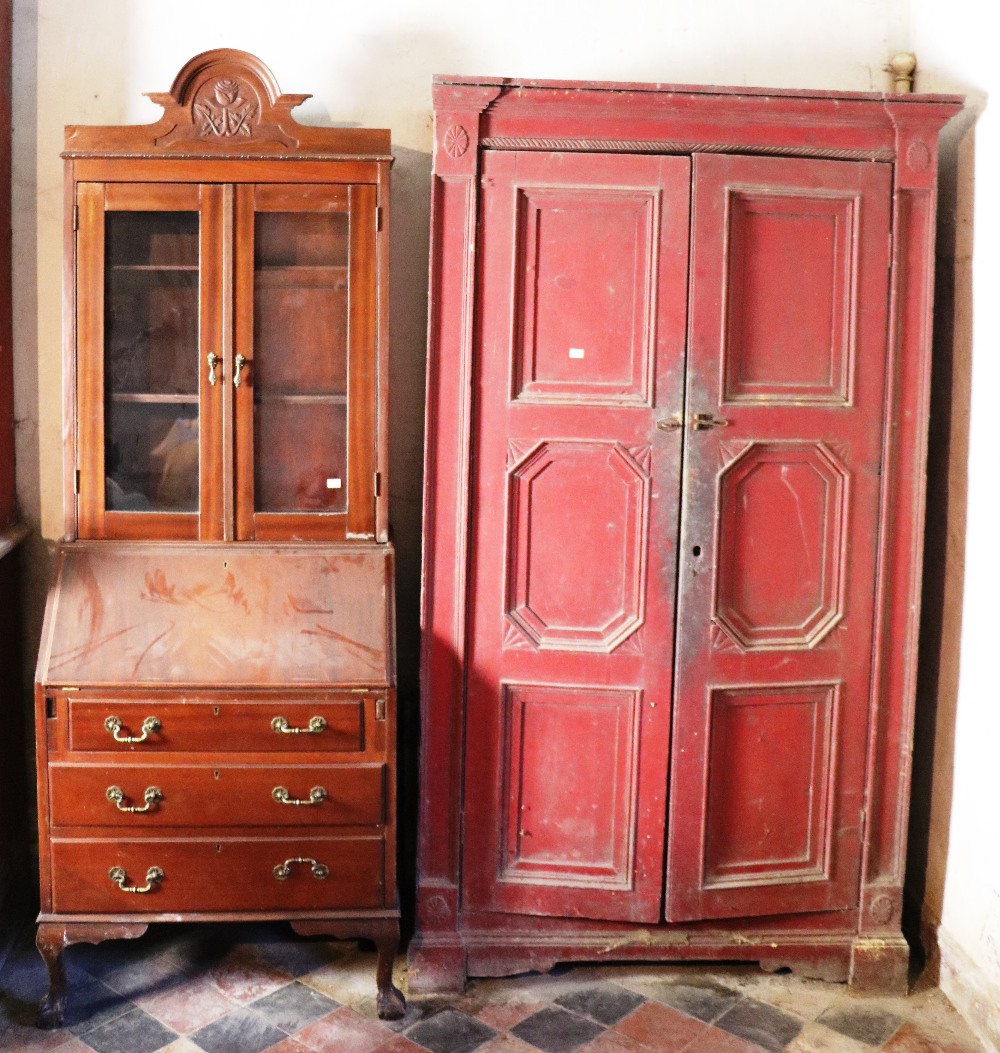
(956, 54)
(371, 64)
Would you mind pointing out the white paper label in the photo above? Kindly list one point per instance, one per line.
(333, 484)
(576, 352)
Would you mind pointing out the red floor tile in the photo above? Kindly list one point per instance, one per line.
(659, 1027)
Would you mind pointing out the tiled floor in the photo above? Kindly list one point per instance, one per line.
(247, 989)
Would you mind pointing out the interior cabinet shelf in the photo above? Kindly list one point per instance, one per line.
(305, 275)
(155, 398)
(313, 398)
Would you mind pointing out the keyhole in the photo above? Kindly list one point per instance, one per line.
(696, 551)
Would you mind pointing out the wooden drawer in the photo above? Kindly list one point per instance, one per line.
(191, 796)
(207, 726)
(217, 875)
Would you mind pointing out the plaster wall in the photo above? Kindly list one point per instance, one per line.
(963, 872)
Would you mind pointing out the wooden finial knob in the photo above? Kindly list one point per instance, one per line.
(902, 66)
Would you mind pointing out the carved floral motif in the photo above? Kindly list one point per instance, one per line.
(881, 909)
(228, 115)
(456, 141)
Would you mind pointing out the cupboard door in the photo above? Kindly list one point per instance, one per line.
(149, 403)
(305, 365)
(574, 516)
(778, 535)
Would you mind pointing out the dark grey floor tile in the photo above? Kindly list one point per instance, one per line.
(862, 1023)
(134, 1032)
(296, 958)
(450, 1032)
(556, 1030)
(242, 1031)
(762, 1024)
(293, 1006)
(146, 976)
(418, 1009)
(606, 1004)
(703, 999)
(93, 1004)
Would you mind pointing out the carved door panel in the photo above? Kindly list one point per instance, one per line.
(580, 345)
(778, 537)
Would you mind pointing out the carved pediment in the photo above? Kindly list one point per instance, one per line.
(225, 102)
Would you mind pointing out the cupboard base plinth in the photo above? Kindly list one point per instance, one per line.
(880, 964)
(436, 968)
(441, 962)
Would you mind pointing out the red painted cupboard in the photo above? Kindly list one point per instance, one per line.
(677, 398)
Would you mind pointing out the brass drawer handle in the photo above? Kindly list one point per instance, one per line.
(151, 796)
(320, 871)
(241, 361)
(153, 877)
(149, 727)
(213, 364)
(316, 796)
(316, 725)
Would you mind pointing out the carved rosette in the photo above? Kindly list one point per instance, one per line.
(881, 909)
(456, 141)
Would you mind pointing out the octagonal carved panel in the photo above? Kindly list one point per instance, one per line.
(577, 515)
(781, 545)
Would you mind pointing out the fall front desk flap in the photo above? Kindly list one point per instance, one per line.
(219, 615)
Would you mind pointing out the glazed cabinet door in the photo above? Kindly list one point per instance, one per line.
(149, 362)
(786, 389)
(578, 382)
(304, 368)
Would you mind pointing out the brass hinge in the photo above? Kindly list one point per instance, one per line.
(378, 484)
(378, 217)
(76, 217)
(76, 481)
(380, 709)
(50, 707)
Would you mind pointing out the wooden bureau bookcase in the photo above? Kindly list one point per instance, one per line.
(676, 433)
(216, 684)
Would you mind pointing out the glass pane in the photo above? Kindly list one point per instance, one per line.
(151, 357)
(300, 361)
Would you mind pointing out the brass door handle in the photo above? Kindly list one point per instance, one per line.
(316, 796)
(151, 796)
(149, 727)
(704, 421)
(213, 363)
(153, 877)
(282, 871)
(316, 725)
(671, 423)
(241, 361)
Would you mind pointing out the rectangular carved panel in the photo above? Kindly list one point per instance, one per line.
(584, 292)
(570, 785)
(771, 764)
(790, 297)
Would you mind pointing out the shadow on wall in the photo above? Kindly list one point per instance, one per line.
(944, 547)
(408, 271)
